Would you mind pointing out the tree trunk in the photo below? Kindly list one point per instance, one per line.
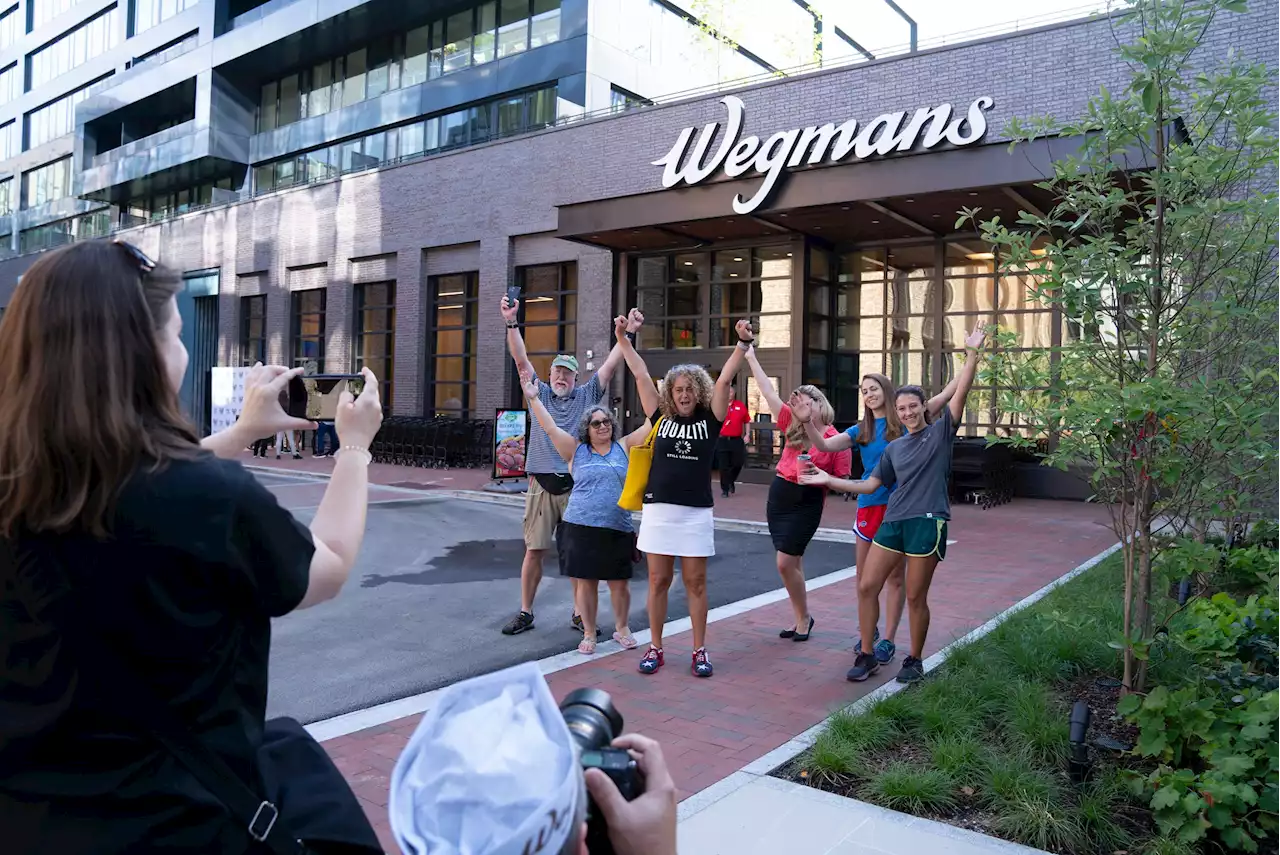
(1143, 614)
(1127, 547)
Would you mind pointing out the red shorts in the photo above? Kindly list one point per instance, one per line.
(867, 523)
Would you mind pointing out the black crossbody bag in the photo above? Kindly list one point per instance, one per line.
(295, 766)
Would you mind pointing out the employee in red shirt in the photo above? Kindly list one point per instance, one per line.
(731, 453)
(794, 510)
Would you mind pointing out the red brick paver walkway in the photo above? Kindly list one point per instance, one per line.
(766, 690)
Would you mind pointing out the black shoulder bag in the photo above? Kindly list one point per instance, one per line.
(286, 745)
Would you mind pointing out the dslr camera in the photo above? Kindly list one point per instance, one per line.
(594, 722)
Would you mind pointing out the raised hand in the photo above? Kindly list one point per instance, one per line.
(975, 338)
(509, 309)
(801, 408)
(635, 320)
(620, 327)
(743, 328)
(529, 384)
(262, 413)
(359, 418)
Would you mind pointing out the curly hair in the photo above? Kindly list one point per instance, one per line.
(584, 426)
(823, 413)
(701, 382)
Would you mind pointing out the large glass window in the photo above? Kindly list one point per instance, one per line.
(6, 197)
(47, 183)
(10, 140)
(56, 118)
(375, 334)
(10, 83)
(43, 11)
(253, 329)
(10, 26)
(512, 115)
(149, 13)
(92, 38)
(308, 311)
(452, 332)
(488, 31)
(694, 299)
(549, 306)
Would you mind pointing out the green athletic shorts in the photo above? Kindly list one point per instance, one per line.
(915, 537)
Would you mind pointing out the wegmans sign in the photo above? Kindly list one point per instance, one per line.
(813, 146)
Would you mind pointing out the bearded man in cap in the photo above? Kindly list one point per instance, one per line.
(549, 478)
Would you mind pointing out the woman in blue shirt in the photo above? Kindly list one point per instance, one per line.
(596, 539)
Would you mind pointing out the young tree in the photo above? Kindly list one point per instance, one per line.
(1160, 253)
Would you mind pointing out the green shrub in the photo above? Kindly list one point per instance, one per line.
(1041, 823)
(962, 757)
(1099, 804)
(901, 710)
(831, 758)
(862, 734)
(911, 789)
(1265, 533)
(1012, 776)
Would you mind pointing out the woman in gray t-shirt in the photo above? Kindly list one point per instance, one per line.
(915, 523)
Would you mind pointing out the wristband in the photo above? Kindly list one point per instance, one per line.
(744, 344)
(363, 453)
(631, 337)
(511, 325)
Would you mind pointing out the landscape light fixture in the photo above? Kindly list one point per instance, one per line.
(1078, 762)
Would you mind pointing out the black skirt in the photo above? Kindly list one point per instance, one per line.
(794, 512)
(594, 552)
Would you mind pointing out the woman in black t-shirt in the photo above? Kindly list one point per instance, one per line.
(162, 563)
(677, 519)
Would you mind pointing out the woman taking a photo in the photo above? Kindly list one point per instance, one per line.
(677, 520)
(915, 521)
(596, 540)
(794, 510)
(132, 555)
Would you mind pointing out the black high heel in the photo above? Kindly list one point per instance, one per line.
(797, 636)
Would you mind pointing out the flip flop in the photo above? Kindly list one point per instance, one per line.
(586, 647)
(627, 640)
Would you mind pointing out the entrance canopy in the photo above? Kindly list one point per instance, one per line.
(914, 196)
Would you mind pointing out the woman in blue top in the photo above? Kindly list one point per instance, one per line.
(596, 539)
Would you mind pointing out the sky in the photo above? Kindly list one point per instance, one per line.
(874, 25)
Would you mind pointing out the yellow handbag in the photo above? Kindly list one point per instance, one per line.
(639, 462)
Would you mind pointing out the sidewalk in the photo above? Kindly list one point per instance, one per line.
(767, 691)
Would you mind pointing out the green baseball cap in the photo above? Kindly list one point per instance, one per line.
(566, 361)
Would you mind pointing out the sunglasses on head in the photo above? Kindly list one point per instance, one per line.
(143, 261)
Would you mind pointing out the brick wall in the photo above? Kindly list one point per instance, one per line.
(492, 207)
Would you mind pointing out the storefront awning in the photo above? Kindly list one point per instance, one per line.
(914, 196)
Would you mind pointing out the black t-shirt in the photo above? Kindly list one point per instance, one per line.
(683, 456)
(201, 557)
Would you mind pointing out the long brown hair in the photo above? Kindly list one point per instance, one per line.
(892, 427)
(84, 395)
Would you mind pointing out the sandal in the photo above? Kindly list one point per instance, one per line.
(587, 646)
(626, 639)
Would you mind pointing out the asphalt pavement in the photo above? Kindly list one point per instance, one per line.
(436, 580)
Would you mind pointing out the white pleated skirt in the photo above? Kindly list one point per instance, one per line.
(677, 530)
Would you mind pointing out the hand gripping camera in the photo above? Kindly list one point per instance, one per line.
(594, 722)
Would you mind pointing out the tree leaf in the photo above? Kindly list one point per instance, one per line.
(1150, 94)
(1165, 797)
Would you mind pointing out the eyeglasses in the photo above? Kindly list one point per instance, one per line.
(595, 423)
(140, 258)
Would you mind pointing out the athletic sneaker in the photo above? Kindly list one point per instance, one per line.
(864, 665)
(652, 661)
(701, 666)
(912, 670)
(874, 638)
(576, 623)
(518, 624)
(885, 651)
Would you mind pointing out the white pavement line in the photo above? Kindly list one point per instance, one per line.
(356, 720)
(789, 751)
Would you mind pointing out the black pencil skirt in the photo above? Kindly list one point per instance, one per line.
(794, 512)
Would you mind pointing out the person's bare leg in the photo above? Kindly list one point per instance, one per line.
(919, 577)
(588, 605)
(530, 578)
(662, 570)
(871, 579)
(693, 572)
(620, 597)
(895, 597)
(791, 569)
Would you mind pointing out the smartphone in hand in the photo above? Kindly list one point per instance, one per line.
(316, 397)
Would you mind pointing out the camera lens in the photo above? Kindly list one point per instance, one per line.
(592, 718)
